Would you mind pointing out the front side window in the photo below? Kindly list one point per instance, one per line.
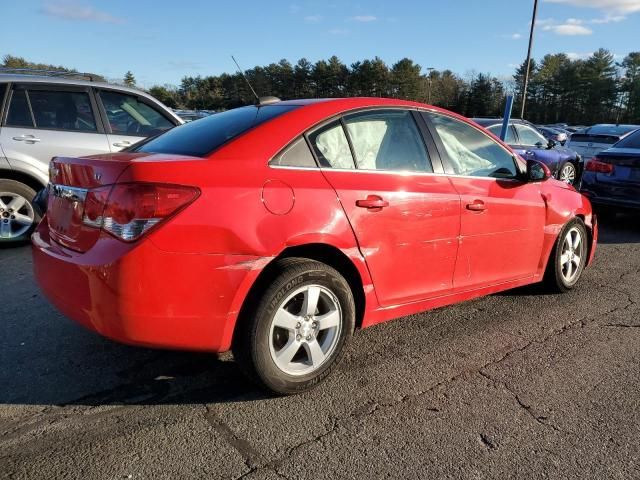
(331, 147)
(19, 114)
(497, 129)
(129, 116)
(472, 152)
(387, 140)
(528, 136)
(60, 110)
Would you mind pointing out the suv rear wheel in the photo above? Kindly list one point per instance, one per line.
(18, 216)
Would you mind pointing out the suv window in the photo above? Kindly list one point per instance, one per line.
(129, 116)
(297, 155)
(630, 141)
(387, 140)
(200, 138)
(497, 129)
(528, 136)
(332, 147)
(472, 152)
(62, 110)
(19, 114)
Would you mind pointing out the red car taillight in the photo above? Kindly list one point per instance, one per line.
(598, 166)
(129, 210)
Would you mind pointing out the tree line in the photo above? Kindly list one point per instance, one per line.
(595, 89)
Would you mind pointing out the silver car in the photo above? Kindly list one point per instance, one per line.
(43, 116)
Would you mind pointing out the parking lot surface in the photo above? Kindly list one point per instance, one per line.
(520, 384)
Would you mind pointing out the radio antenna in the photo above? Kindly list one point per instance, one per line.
(241, 72)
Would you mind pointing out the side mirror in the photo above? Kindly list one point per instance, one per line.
(551, 144)
(541, 145)
(537, 172)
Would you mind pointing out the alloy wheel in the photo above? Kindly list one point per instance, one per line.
(16, 215)
(568, 173)
(305, 330)
(572, 255)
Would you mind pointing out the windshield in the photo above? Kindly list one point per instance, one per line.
(611, 129)
(199, 139)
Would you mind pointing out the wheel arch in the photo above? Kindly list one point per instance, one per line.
(321, 252)
(18, 176)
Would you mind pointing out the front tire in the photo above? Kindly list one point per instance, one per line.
(568, 173)
(18, 217)
(568, 258)
(295, 335)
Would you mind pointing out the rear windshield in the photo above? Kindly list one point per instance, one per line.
(611, 129)
(586, 138)
(632, 141)
(198, 139)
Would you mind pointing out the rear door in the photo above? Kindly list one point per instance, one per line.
(43, 121)
(406, 219)
(502, 218)
(130, 118)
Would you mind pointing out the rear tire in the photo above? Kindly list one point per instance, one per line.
(568, 257)
(295, 335)
(18, 217)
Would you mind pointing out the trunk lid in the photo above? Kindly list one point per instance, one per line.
(626, 162)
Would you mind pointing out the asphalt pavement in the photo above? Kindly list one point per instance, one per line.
(522, 384)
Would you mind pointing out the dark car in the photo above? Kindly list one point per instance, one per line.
(591, 141)
(612, 178)
(554, 133)
(530, 144)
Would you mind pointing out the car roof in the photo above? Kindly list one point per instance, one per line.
(490, 122)
(64, 80)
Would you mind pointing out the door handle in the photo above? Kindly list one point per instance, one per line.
(372, 202)
(124, 143)
(26, 138)
(476, 206)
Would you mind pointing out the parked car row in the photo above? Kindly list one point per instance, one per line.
(530, 144)
(44, 116)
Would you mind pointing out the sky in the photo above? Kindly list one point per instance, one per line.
(161, 41)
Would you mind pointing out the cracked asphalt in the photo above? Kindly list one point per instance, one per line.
(522, 384)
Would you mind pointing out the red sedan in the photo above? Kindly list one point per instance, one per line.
(276, 229)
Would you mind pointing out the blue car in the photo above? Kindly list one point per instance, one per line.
(612, 178)
(530, 144)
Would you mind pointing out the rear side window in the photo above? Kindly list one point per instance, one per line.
(198, 139)
(129, 116)
(332, 147)
(62, 110)
(3, 89)
(19, 114)
(497, 130)
(387, 140)
(297, 155)
(631, 141)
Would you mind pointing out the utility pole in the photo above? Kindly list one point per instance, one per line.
(429, 70)
(526, 75)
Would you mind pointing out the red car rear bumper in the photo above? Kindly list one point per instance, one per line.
(178, 300)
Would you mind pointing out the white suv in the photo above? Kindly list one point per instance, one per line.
(46, 116)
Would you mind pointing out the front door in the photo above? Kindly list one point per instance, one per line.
(502, 217)
(406, 219)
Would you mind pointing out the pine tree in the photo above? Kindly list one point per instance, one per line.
(129, 79)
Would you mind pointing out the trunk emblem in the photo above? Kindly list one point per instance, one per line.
(97, 176)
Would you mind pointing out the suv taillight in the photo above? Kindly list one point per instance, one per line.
(598, 166)
(128, 210)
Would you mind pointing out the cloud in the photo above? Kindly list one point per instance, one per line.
(78, 12)
(569, 29)
(516, 36)
(608, 19)
(578, 56)
(364, 18)
(313, 18)
(617, 6)
(338, 31)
